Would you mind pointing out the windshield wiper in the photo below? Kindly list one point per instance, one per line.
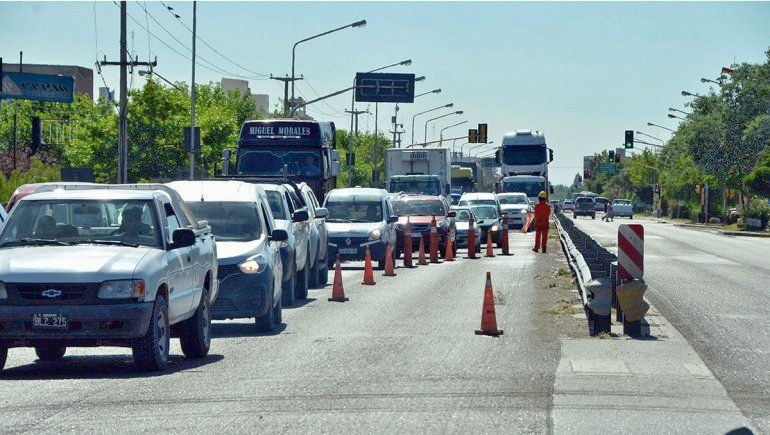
(34, 242)
(339, 220)
(106, 242)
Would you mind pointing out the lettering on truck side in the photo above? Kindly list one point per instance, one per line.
(268, 130)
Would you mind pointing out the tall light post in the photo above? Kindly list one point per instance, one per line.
(650, 124)
(459, 112)
(690, 94)
(353, 109)
(445, 106)
(361, 23)
(671, 109)
(479, 146)
(454, 153)
(705, 80)
(395, 112)
(672, 116)
(650, 136)
(435, 91)
(441, 132)
(192, 95)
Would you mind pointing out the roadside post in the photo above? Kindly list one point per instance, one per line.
(631, 288)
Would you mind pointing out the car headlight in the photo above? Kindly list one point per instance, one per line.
(494, 228)
(253, 265)
(122, 289)
(3, 293)
(375, 234)
(523, 211)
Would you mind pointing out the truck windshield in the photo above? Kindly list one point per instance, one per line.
(524, 155)
(230, 221)
(72, 222)
(421, 187)
(530, 188)
(419, 208)
(271, 162)
(354, 211)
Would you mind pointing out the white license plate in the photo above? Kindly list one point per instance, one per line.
(344, 251)
(49, 321)
(415, 234)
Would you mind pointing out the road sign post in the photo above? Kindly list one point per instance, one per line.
(38, 87)
(384, 88)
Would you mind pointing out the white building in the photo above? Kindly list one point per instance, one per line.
(261, 101)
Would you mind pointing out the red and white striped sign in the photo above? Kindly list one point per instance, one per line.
(630, 251)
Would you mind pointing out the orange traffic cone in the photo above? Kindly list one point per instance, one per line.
(368, 272)
(389, 268)
(527, 223)
(506, 247)
(488, 318)
(449, 254)
(338, 293)
(421, 261)
(408, 244)
(471, 239)
(490, 248)
(433, 240)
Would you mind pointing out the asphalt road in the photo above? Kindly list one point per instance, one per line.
(399, 356)
(714, 290)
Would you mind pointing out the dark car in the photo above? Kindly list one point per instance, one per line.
(585, 206)
(420, 209)
(489, 220)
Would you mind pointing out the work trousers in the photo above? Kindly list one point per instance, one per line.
(541, 237)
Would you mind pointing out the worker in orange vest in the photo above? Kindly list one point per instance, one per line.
(542, 216)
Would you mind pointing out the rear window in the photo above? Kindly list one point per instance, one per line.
(583, 200)
(230, 221)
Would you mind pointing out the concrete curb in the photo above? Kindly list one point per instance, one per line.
(744, 233)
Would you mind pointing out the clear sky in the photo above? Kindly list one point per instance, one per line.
(580, 72)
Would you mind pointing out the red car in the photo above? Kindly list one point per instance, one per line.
(420, 209)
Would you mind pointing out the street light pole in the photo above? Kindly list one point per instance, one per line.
(192, 96)
(459, 112)
(671, 109)
(361, 23)
(441, 132)
(672, 116)
(650, 136)
(650, 124)
(395, 111)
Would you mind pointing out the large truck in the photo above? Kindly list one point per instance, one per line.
(531, 185)
(525, 152)
(297, 150)
(424, 171)
(462, 178)
(478, 174)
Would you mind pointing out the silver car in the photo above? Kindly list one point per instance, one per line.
(319, 237)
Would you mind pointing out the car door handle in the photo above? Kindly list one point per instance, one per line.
(188, 258)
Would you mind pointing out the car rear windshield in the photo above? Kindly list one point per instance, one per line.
(478, 202)
(230, 221)
(463, 215)
(419, 208)
(353, 211)
(584, 200)
(485, 212)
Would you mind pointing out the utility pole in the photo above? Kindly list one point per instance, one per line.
(397, 137)
(123, 108)
(192, 95)
(354, 132)
(286, 81)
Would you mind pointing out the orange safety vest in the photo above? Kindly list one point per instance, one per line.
(542, 213)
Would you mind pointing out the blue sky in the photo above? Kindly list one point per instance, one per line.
(580, 72)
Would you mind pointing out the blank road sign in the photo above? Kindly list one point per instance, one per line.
(384, 88)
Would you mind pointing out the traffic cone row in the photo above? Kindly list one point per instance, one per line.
(449, 254)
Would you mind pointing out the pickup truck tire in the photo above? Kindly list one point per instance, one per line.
(3, 356)
(278, 312)
(195, 332)
(314, 280)
(303, 278)
(323, 273)
(50, 352)
(287, 290)
(266, 322)
(151, 351)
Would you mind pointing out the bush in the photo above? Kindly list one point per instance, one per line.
(758, 209)
(37, 172)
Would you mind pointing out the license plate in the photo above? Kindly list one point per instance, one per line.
(415, 234)
(49, 321)
(348, 250)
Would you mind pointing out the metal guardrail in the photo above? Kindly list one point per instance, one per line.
(576, 261)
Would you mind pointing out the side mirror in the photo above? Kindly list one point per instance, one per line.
(451, 214)
(550, 155)
(279, 235)
(550, 189)
(299, 216)
(182, 238)
(392, 219)
(321, 212)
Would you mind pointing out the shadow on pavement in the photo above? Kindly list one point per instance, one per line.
(298, 303)
(99, 367)
(237, 330)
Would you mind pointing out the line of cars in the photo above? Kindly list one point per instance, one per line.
(588, 206)
(135, 265)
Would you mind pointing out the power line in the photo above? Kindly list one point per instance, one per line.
(170, 11)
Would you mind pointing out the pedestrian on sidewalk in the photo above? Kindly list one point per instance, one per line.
(542, 220)
(610, 214)
(605, 217)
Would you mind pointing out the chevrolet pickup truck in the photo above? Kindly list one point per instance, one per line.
(111, 265)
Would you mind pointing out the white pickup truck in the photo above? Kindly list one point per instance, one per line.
(106, 265)
(623, 208)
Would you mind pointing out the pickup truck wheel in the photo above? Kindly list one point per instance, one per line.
(195, 334)
(278, 312)
(151, 351)
(303, 277)
(287, 290)
(50, 353)
(314, 279)
(3, 356)
(265, 322)
(323, 273)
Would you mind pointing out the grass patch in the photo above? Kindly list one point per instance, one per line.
(735, 227)
(562, 272)
(609, 244)
(603, 336)
(563, 307)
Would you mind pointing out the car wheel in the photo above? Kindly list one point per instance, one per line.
(151, 351)
(314, 279)
(50, 352)
(593, 216)
(278, 312)
(303, 278)
(323, 273)
(195, 334)
(287, 290)
(3, 356)
(266, 322)
(630, 217)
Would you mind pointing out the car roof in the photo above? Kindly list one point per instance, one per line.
(418, 197)
(478, 195)
(92, 195)
(512, 194)
(357, 194)
(217, 190)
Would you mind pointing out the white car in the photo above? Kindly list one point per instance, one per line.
(479, 198)
(567, 205)
(623, 208)
(319, 237)
(516, 206)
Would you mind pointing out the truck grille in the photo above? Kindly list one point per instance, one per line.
(46, 294)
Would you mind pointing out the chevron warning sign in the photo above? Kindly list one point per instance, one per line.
(630, 251)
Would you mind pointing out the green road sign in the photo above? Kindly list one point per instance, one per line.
(606, 168)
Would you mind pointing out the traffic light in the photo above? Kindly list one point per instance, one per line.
(611, 156)
(482, 133)
(473, 135)
(586, 175)
(37, 134)
(629, 143)
(617, 157)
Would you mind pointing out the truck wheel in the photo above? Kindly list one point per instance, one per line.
(3, 356)
(195, 334)
(265, 322)
(300, 288)
(50, 352)
(287, 290)
(278, 312)
(151, 351)
(323, 273)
